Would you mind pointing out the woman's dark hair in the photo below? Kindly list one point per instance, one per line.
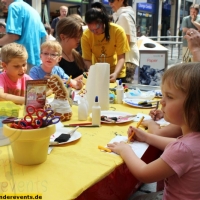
(125, 3)
(98, 14)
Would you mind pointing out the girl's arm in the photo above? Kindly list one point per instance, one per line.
(118, 68)
(146, 173)
(170, 130)
(11, 97)
(154, 140)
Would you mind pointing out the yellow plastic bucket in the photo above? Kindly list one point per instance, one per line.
(29, 146)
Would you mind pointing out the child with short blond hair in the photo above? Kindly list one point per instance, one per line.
(51, 53)
(13, 79)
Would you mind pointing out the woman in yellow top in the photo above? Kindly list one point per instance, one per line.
(104, 42)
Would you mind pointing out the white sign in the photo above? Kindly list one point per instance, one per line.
(152, 67)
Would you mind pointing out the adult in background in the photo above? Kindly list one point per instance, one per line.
(169, 33)
(124, 16)
(104, 42)
(24, 27)
(63, 13)
(188, 22)
(48, 30)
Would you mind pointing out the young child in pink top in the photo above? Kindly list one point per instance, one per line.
(179, 164)
(13, 79)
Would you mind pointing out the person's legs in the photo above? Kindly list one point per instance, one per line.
(150, 196)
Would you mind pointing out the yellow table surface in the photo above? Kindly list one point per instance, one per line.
(69, 169)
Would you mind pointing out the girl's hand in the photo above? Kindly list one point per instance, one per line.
(119, 147)
(147, 123)
(156, 114)
(139, 134)
(79, 84)
(151, 125)
(113, 77)
(76, 84)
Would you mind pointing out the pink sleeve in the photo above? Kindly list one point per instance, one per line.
(1, 81)
(27, 77)
(179, 157)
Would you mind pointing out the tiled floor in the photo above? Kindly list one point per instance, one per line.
(144, 189)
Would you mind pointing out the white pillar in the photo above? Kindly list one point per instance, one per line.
(159, 19)
(178, 18)
(37, 4)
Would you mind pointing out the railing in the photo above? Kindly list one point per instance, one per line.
(174, 45)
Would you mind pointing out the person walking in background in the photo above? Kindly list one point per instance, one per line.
(168, 33)
(24, 26)
(104, 41)
(48, 30)
(63, 13)
(124, 16)
(69, 32)
(190, 21)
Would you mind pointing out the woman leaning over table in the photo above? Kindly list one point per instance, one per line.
(69, 32)
(104, 42)
(124, 16)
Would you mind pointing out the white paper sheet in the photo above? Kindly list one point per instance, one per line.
(138, 147)
(162, 121)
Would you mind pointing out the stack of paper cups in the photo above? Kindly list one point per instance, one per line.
(98, 85)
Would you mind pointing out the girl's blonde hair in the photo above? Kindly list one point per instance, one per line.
(52, 45)
(13, 50)
(186, 77)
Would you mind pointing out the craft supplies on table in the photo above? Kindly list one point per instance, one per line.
(34, 119)
(96, 113)
(119, 92)
(36, 93)
(7, 109)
